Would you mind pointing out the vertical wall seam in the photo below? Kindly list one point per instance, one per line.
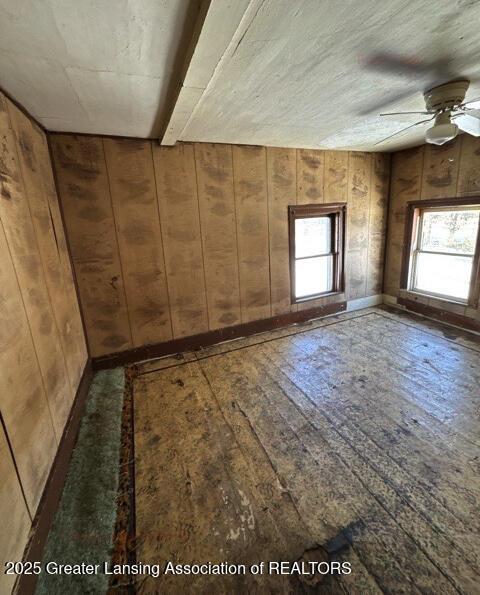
(33, 346)
(67, 243)
(202, 247)
(42, 260)
(346, 259)
(268, 232)
(236, 235)
(157, 200)
(387, 220)
(14, 462)
(460, 154)
(117, 243)
(293, 307)
(422, 173)
(42, 376)
(370, 195)
(324, 176)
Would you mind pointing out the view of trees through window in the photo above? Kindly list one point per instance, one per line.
(442, 262)
(450, 231)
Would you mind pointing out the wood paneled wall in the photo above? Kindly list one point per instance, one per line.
(42, 346)
(169, 242)
(426, 172)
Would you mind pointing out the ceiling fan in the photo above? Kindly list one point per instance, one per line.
(447, 106)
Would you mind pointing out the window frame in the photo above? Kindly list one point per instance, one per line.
(412, 222)
(337, 213)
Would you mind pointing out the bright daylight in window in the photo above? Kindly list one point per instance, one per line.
(445, 247)
(313, 256)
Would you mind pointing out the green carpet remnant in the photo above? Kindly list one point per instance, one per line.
(82, 530)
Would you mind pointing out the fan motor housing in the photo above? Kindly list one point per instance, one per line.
(446, 96)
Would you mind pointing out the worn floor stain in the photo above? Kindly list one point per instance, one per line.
(351, 439)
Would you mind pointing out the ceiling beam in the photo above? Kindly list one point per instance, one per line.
(220, 28)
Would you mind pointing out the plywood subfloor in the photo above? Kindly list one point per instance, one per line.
(357, 434)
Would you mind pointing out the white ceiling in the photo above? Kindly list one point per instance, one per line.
(97, 66)
(266, 72)
(299, 77)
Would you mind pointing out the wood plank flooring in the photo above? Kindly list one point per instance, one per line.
(354, 438)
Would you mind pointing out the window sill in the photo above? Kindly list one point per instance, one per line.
(433, 296)
(317, 296)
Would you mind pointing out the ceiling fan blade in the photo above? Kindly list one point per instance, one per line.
(468, 123)
(404, 130)
(402, 113)
(397, 64)
(469, 101)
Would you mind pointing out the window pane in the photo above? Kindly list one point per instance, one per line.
(450, 231)
(313, 275)
(443, 274)
(312, 236)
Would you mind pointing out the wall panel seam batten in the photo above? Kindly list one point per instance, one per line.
(12, 454)
(117, 244)
(422, 172)
(268, 231)
(67, 242)
(236, 235)
(324, 177)
(25, 310)
(460, 145)
(370, 198)
(150, 145)
(294, 306)
(387, 221)
(462, 137)
(345, 249)
(201, 234)
(42, 260)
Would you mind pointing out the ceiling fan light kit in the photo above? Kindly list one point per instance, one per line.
(445, 103)
(442, 131)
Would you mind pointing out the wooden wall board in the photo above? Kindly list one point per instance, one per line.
(23, 403)
(224, 228)
(219, 234)
(336, 176)
(129, 164)
(36, 170)
(71, 327)
(380, 181)
(336, 164)
(405, 185)
(440, 169)
(42, 345)
(180, 220)
(469, 169)
(282, 187)
(310, 176)
(251, 208)
(14, 515)
(357, 233)
(29, 269)
(85, 195)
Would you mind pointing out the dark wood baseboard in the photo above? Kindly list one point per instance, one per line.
(195, 342)
(52, 493)
(464, 322)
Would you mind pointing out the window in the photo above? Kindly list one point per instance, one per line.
(316, 250)
(444, 246)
